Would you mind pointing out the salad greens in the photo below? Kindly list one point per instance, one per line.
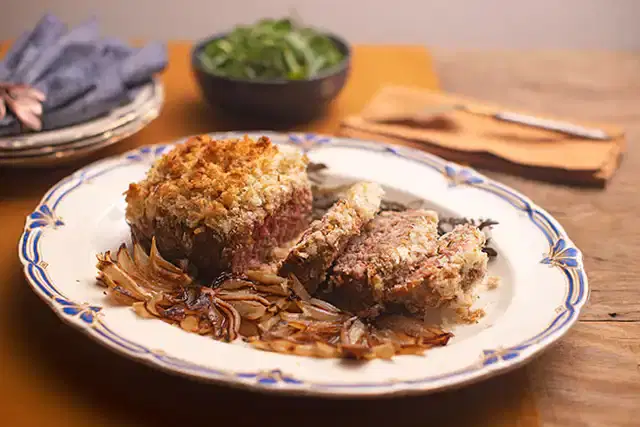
(271, 49)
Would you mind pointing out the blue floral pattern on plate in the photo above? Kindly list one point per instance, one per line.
(493, 356)
(308, 141)
(85, 312)
(458, 175)
(270, 377)
(148, 153)
(43, 216)
(562, 255)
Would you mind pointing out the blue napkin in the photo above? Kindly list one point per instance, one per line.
(82, 75)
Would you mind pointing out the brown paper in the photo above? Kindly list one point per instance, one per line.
(484, 141)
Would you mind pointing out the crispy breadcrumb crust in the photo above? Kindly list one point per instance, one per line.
(448, 278)
(221, 204)
(221, 184)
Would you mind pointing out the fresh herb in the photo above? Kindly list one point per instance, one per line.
(271, 49)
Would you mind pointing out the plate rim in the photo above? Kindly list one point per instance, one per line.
(114, 118)
(150, 107)
(69, 151)
(563, 254)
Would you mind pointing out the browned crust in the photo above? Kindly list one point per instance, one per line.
(449, 276)
(221, 204)
(222, 184)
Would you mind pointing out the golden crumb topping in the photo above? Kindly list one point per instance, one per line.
(218, 183)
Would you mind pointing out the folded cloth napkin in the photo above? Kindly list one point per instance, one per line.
(82, 75)
(422, 119)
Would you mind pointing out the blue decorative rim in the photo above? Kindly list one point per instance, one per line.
(562, 254)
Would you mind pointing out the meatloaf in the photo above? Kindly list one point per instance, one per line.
(221, 204)
(399, 259)
(326, 238)
(391, 246)
(448, 277)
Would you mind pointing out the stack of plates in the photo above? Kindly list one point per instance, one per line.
(60, 145)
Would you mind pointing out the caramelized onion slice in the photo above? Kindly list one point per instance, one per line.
(298, 289)
(272, 290)
(325, 305)
(243, 296)
(234, 285)
(165, 269)
(249, 329)
(114, 276)
(141, 310)
(265, 278)
(232, 317)
(190, 323)
(352, 332)
(271, 312)
(383, 351)
(247, 309)
(267, 322)
(316, 312)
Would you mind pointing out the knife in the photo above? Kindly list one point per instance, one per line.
(429, 114)
(553, 125)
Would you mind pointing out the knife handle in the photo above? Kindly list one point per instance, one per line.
(558, 126)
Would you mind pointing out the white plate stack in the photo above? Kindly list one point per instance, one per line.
(56, 146)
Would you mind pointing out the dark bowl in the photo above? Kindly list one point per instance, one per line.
(283, 101)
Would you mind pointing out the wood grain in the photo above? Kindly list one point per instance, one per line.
(588, 86)
(592, 377)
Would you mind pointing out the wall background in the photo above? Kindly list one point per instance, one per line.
(497, 24)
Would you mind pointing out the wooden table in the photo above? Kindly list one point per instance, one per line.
(592, 377)
(52, 375)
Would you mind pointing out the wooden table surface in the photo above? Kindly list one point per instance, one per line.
(52, 375)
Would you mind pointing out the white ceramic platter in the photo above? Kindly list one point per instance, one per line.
(543, 287)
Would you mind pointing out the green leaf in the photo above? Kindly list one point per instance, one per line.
(271, 49)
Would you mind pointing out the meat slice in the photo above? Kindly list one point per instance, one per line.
(399, 259)
(327, 237)
(221, 204)
(391, 246)
(448, 277)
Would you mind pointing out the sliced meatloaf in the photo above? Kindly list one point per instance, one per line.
(221, 204)
(391, 246)
(448, 277)
(327, 237)
(399, 259)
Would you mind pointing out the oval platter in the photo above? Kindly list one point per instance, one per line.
(543, 283)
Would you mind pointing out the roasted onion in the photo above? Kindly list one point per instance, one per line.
(272, 313)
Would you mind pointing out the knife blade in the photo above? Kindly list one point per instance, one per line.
(537, 122)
